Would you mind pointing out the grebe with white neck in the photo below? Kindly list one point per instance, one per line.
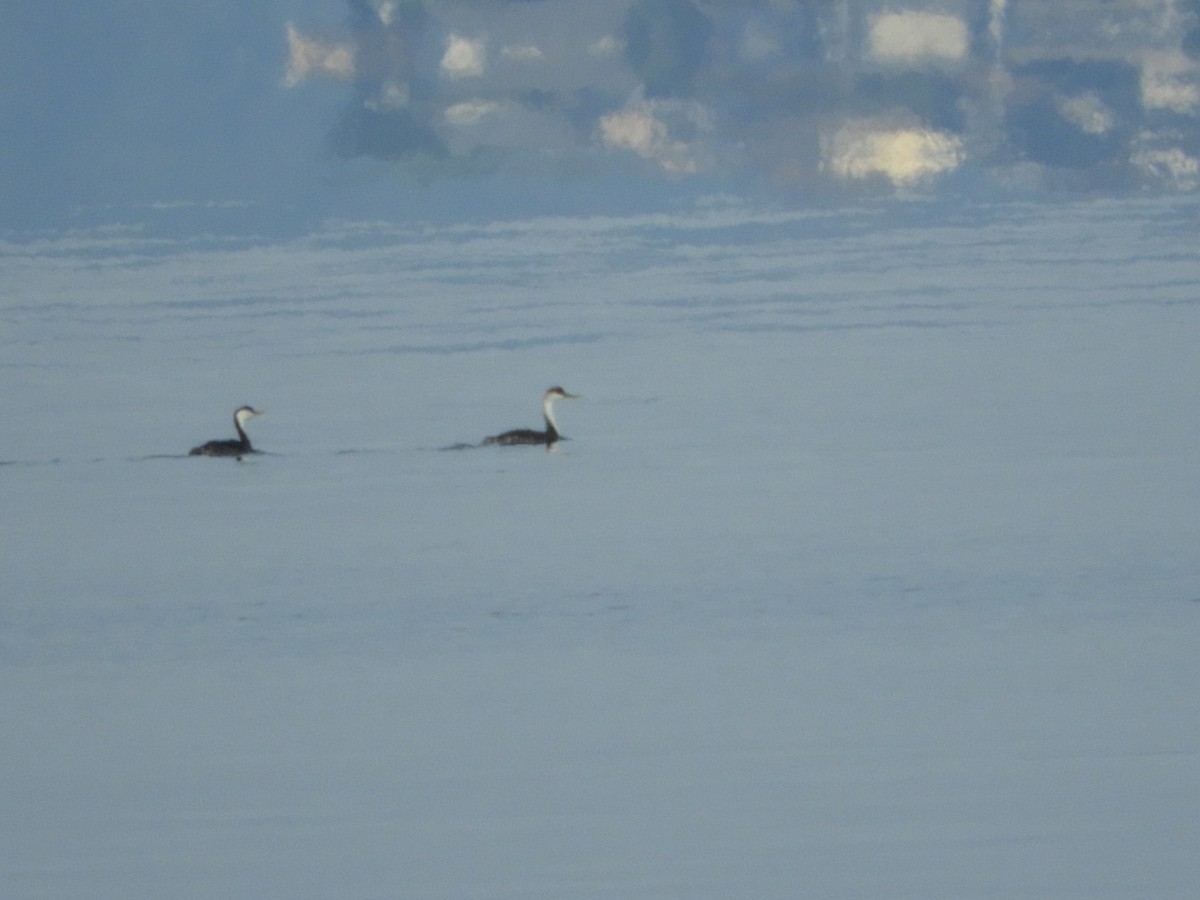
(530, 436)
(230, 448)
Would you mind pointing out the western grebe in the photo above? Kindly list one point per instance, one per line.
(528, 435)
(230, 448)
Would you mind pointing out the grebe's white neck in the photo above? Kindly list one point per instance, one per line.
(548, 409)
(555, 393)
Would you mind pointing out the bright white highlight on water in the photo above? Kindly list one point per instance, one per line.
(464, 58)
(308, 57)
(905, 155)
(912, 37)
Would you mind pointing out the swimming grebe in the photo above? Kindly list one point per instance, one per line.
(230, 448)
(528, 435)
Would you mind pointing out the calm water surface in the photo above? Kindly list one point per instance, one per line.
(856, 506)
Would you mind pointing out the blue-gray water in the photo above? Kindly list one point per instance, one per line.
(869, 568)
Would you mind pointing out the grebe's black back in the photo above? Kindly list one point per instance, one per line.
(231, 447)
(530, 436)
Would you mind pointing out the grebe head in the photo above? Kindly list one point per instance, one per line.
(242, 413)
(557, 393)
